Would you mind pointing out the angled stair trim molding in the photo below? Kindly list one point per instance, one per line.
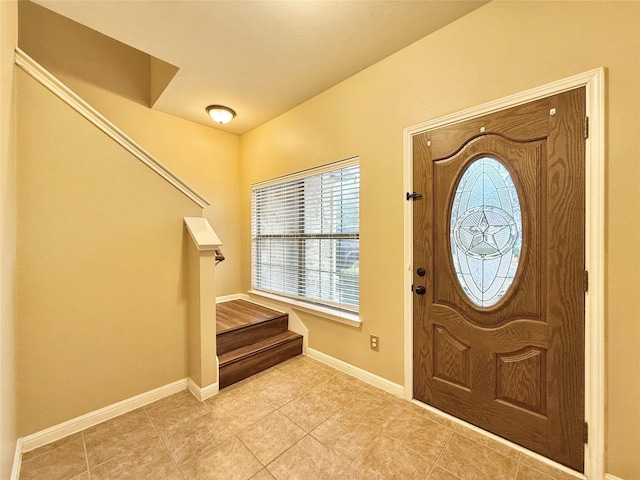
(64, 93)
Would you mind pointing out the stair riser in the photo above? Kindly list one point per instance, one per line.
(241, 369)
(250, 334)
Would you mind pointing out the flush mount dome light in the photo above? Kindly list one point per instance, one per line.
(220, 114)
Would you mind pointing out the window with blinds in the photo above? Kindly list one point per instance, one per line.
(305, 235)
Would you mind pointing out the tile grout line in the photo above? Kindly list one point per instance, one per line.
(276, 409)
(378, 435)
(518, 466)
(267, 465)
(250, 452)
(173, 460)
(86, 455)
(546, 475)
(446, 444)
(468, 434)
(309, 434)
(362, 453)
(406, 408)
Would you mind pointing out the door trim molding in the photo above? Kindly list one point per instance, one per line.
(594, 82)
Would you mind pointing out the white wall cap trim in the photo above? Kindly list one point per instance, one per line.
(347, 318)
(367, 377)
(57, 432)
(55, 86)
(608, 476)
(202, 233)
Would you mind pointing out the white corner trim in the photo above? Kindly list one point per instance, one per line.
(17, 461)
(594, 82)
(202, 233)
(367, 377)
(203, 393)
(59, 89)
(82, 422)
(608, 476)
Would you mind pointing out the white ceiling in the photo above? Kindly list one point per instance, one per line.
(260, 58)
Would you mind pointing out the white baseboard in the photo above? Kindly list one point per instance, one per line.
(360, 374)
(608, 476)
(77, 424)
(228, 298)
(203, 393)
(17, 461)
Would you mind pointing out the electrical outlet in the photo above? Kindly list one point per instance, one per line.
(374, 342)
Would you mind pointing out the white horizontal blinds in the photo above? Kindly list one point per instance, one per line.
(305, 236)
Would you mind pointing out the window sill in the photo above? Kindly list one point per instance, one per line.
(351, 319)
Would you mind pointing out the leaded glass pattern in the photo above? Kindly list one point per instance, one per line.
(486, 231)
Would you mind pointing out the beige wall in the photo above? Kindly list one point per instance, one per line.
(8, 433)
(497, 50)
(205, 158)
(115, 80)
(102, 248)
(101, 277)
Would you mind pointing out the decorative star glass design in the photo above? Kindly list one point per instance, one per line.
(486, 231)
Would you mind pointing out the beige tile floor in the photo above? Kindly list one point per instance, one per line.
(299, 420)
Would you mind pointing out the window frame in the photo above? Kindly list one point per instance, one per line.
(324, 307)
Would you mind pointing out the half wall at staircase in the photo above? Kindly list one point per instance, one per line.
(101, 251)
(101, 259)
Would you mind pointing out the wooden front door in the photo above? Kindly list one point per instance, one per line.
(499, 273)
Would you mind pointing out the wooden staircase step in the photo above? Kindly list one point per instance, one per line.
(241, 323)
(240, 313)
(248, 360)
(250, 334)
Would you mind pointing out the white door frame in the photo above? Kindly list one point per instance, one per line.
(594, 82)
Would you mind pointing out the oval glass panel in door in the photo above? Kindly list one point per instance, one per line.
(486, 231)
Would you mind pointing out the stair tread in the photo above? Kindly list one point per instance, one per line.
(255, 348)
(238, 314)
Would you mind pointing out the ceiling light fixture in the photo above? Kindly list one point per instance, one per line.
(220, 113)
